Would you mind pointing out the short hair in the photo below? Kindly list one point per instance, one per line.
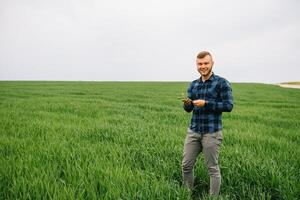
(202, 54)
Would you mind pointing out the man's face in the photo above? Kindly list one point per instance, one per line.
(204, 65)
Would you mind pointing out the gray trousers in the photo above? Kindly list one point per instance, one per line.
(209, 144)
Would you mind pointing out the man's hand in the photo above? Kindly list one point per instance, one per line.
(199, 103)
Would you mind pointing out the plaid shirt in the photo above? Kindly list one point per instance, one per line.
(217, 93)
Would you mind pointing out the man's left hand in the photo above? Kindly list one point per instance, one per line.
(199, 103)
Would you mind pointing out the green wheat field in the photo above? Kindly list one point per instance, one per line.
(124, 140)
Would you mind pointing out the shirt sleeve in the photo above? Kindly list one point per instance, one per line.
(226, 103)
(190, 107)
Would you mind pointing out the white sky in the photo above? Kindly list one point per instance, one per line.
(153, 40)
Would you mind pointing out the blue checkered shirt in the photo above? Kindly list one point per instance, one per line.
(217, 93)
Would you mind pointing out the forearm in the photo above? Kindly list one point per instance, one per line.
(223, 106)
(188, 107)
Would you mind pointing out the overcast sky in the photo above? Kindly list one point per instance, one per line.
(153, 40)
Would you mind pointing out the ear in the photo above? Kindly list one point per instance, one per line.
(212, 63)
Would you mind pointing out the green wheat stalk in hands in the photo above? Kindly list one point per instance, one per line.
(184, 98)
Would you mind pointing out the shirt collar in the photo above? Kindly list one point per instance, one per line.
(211, 78)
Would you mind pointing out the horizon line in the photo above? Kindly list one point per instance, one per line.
(60, 80)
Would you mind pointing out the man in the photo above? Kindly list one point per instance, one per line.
(208, 97)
